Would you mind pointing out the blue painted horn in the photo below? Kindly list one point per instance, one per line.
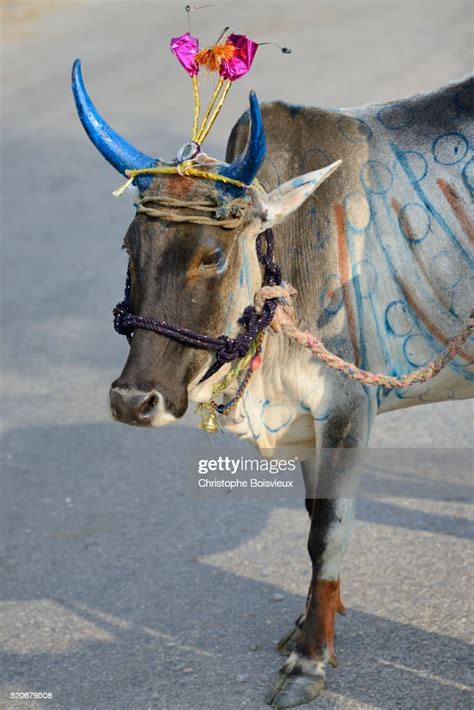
(121, 154)
(247, 165)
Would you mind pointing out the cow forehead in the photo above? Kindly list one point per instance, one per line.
(188, 197)
(184, 187)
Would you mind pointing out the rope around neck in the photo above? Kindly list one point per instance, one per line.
(284, 321)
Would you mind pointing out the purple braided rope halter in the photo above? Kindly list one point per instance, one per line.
(226, 349)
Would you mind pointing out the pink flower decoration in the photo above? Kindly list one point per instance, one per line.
(242, 60)
(185, 49)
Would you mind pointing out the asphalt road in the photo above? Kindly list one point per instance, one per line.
(119, 590)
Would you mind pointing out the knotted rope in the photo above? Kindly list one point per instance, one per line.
(284, 321)
(228, 215)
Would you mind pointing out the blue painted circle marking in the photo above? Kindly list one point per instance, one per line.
(376, 177)
(317, 417)
(357, 211)
(442, 271)
(305, 406)
(396, 115)
(468, 176)
(414, 221)
(450, 148)
(355, 130)
(316, 158)
(279, 415)
(398, 320)
(416, 162)
(322, 417)
(416, 350)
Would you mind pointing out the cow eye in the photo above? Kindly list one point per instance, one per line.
(213, 259)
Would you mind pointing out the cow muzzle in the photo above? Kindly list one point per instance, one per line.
(132, 406)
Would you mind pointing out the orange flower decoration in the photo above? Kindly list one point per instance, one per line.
(212, 57)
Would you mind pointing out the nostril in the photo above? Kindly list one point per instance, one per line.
(149, 405)
(132, 406)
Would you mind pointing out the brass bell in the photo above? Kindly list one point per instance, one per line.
(209, 421)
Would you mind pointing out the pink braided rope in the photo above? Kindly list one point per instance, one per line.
(284, 321)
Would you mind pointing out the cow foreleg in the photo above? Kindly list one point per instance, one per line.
(287, 644)
(302, 677)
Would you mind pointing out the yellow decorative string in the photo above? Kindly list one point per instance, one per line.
(209, 108)
(208, 410)
(185, 169)
(197, 108)
(204, 132)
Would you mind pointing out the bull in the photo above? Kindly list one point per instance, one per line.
(381, 262)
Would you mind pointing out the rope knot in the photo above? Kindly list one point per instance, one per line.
(283, 293)
(248, 317)
(284, 312)
(120, 312)
(231, 349)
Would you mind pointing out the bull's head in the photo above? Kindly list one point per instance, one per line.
(186, 273)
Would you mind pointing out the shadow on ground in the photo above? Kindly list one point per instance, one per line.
(106, 604)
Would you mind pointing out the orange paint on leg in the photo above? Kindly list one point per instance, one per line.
(318, 631)
(340, 608)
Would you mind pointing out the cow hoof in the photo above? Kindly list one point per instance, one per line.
(299, 681)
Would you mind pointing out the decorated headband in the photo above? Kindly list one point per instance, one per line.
(231, 58)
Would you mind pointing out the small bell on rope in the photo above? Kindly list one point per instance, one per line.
(208, 417)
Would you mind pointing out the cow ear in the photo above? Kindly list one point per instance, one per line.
(286, 198)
